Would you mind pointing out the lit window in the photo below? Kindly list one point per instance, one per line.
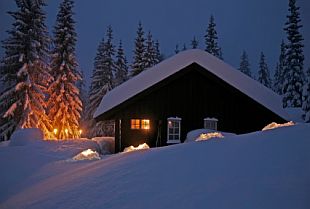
(210, 123)
(145, 124)
(135, 124)
(174, 130)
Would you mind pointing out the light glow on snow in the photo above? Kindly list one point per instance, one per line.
(140, 147)
(274, 125)
(87, 155)
(204, 137)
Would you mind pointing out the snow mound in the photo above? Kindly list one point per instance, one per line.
(87, 155)
(25, 136)
(264, 169)
(196, 134)
(207, 136)
(274, 125)
(106, 144)
(140, 147)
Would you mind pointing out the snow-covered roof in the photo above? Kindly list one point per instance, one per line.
(170, 66)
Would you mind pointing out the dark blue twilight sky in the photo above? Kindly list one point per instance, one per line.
(253, 25)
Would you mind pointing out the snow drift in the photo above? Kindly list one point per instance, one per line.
(265, 169)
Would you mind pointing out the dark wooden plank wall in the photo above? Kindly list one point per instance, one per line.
(191, 94)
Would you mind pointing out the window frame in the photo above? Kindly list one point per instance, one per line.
(135, 124)
(140, 124)
(210, 123)
(171, 130)
(145, 124)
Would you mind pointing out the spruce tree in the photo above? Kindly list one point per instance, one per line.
(158, 55)
(263, 72)
(138, 64)
(24, 71)
(194, 43)
(245, 65)
(64, 104)
(176, 50)
(278, 76)
(306, 98)
(102, 81)
(184, 47)
(211, 39)
(84, 99)
(121, 74)
(150, 53)
(293, 74)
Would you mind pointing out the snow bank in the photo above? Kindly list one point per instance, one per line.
(264, 169)
(207, 136)
(200, 133)
(274, 125)
(25, 136)
(87, 155)
(106, 144)
(140, 147)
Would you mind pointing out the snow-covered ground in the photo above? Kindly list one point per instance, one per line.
(265, 169)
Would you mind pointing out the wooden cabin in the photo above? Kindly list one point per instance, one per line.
(188, 91)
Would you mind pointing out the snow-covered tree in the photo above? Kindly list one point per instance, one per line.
(150, 52)
(293, 74)
(194, 43)
(176, 50)
(24, 71)
(138, 64)
(158, 55)
(278, 76)
(102, 80)
(263, 72)
(84, 99)
(306, 98)
(184, 47)
(211, 40)
(64, 104)
(245, 65)
(121, 73)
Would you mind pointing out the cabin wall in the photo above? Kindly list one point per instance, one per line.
(191, 94)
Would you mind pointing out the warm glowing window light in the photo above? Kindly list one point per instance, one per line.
(66, 131)
(55, 131)
(80, 131)
(135, 124)
(145, 124)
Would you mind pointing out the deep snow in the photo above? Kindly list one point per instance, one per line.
(264, 169)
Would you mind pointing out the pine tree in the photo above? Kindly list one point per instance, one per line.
(184, 47)
(176, 50)
(138, 64)
(102, 81)
(306, 98)
(64, 104)
(194, 43)
(263, 72)
(121, 74)
(24, 71)
(158, 55)
(211, 40)
(84, 99)
(293, 73)
(245, 65)
(278, 76)
(150, 53)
